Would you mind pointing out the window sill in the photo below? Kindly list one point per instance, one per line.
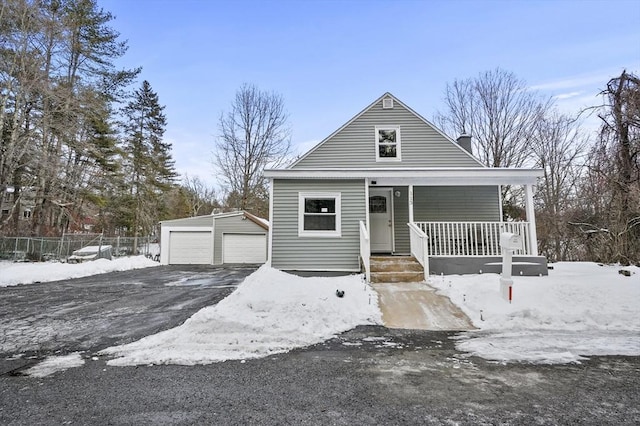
(320, 234)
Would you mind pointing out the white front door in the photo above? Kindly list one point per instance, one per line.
(380, 220)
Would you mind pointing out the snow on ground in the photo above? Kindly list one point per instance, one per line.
(270, 312)
(579, 309)
(53, 364)
(28, 273)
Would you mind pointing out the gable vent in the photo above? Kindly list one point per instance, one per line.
(387, 103)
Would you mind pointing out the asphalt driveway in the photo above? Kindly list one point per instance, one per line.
(369, 375)
(92, 313)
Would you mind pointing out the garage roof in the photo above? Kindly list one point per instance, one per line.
(207, 219)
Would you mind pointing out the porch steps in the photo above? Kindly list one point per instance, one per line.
(395, 269)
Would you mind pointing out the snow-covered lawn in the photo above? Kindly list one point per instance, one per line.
(581, 308)
(29, 273)
(270, 312)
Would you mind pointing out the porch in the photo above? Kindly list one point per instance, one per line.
(462, 248)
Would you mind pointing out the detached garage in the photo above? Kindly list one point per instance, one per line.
(237, 237)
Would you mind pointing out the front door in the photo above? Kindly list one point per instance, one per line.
(380, 220)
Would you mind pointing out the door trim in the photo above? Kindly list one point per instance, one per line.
(389, 190)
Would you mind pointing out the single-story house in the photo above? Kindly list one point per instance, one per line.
(215, 239)
(388, 182)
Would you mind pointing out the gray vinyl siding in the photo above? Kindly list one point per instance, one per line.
(190, 221)
(400, 220)
(231, 225)
(354, 146)
(291, 252)
(456, 203)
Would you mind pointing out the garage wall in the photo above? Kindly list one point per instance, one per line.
(232, 225)
(190, 221)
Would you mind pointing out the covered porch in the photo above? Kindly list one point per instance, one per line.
(450, 221)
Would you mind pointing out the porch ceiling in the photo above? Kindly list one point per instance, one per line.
(419, 176)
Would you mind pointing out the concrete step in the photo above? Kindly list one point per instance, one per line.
(395, 264)
(396, 269)
(397, 277)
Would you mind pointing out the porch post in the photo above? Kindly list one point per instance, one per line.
(531, 218)
(366, 205)
(270, 235)
(410, 203)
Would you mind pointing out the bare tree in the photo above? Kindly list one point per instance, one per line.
(499, 112)
(558, 147)
(612, 226)
(199, 195)
(253, 134)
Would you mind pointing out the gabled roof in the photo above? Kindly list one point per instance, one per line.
(370, 106)
(263, 223)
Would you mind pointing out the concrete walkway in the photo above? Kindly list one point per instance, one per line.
(417, 306)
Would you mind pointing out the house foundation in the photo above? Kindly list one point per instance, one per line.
(522, 265)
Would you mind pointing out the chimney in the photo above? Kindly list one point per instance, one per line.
(464, 141)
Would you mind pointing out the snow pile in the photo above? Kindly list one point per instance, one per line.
(28, 273)
(579, 309)
(270, 312)
(153, 249)
(53, 364)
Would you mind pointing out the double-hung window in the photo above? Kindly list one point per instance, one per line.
(319, 214)
(387, 143)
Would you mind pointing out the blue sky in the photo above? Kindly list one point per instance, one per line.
(329, 59)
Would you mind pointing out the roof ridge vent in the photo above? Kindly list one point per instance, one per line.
(387, 103)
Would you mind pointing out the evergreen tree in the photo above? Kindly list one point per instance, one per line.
(150, 167)
(58, 81)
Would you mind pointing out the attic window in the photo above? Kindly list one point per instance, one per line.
(388, 143)
(387, 103)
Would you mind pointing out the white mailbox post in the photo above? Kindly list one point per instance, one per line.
(509, 243)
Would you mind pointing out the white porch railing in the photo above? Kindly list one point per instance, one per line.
(419, 247)
(365, 250)
(471, 238)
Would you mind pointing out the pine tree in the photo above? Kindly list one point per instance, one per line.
(149, 162)
(57, 80)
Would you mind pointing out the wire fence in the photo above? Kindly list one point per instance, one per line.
(42, 249)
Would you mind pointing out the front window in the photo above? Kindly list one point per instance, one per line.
(319, 214)
(388, 143)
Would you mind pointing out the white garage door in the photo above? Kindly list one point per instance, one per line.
(187, 248)
(244, 248)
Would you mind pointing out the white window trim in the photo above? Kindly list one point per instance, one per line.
(398, 156)
(302, 196)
